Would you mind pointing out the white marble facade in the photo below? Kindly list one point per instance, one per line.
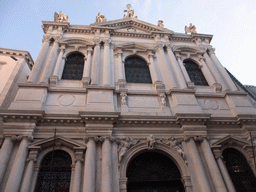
(102, 121)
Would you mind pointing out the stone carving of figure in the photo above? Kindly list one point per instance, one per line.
(124, 146)
(100, 18)
(60, 17)
(130, 11)
(191, 29)
(172, 142)
(151, 140)
(162, 98)
(123, 98)
(160, 23)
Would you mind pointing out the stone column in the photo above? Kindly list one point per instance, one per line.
(5, 153)
(199, 171)
(106, 178)
(26, 185)
(87, 67)
(59, 62)
(225, 174)
(115, 168)
(78, 169)
(90, 167)
(213, 167)
(176, 68)
(215, 72)
(13, 182)
(50, 62)
(207, 73)
(153, 68)
(95, 63)
(169, 80)
(183, 69)
(223, 72)
(39, 61)
(121, 70)
(107, 68)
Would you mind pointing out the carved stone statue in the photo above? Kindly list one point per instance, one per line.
(130, 11)
(160, 23)
(151, 140)
(124, 146)
(172, 142)
(162, 99)
(100, 18)
(191, 29)
(60, 17)
(123, 98)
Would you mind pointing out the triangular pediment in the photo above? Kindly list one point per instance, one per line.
(131, 25)
(57, 141)
(231, 140)
(134, 46)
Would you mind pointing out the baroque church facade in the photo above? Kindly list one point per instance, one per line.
(126, 106)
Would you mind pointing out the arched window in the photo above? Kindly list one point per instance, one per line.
(153, 171)
(136, 70)
(195, 74)
(55, 172)
(239, 170)
(74, 67)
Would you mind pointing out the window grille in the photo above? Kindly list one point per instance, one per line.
(55, 172)
(153, 171)
(74, 67)
(195, 74)
(136, 70)
(239, 171)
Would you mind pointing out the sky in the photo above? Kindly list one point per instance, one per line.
(231, 22)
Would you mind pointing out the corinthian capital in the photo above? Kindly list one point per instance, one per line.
(96, 41)
(46, 38)
(107, 41)
(159, 46)
(211, 50)
(169, 45)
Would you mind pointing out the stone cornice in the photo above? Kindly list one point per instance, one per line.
(18, 53)
(21, 115)
(47, 24)
(100, 117)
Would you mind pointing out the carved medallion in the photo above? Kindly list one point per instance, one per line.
(66, 100)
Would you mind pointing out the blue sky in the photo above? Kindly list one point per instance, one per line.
(232, 22)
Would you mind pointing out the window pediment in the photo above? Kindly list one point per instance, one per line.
(229, 141)
(59, 141)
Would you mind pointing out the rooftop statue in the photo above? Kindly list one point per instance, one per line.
(190, 29)
(100, 18)
(130, 11)
(60, 17)
(160, 23)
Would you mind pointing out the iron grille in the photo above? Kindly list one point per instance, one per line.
(136, 70)
(239, 171)
(74, 67)
(153, 171)
(195, 74)
(55, 172)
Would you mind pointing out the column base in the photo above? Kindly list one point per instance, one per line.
(191, 85)
(159, 85)
(217, 87)
(53, 80)
(86, 81)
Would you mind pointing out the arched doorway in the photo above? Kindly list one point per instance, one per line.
(153, 172)
(239, 170)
